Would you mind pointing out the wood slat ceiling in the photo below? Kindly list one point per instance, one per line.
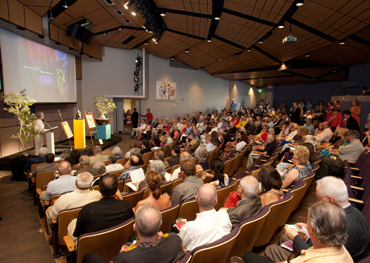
(318, 25)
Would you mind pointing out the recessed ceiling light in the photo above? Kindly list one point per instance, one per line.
(260, 41)
(187, 50)
(249, 49)
(342, 42)
(307, 55)
(299, 3)
(217, 18)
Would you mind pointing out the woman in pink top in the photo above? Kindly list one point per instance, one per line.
(153, 183)
(271, 185)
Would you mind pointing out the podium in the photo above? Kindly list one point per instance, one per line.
(79, 134)
(104, 132)
(50, 139)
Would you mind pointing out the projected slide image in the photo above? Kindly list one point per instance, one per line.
(45, 66)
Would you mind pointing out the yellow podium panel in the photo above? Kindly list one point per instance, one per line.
(79, 134)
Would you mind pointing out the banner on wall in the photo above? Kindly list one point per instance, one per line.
(165, 90)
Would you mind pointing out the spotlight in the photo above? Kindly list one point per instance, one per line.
(282, 67)
(217, 18)
(51, 15)
(125, 6)
(249, 49)
(129, 3)
(307, 55)
(281, 24)
(187, 50)
(342, 42)
(146, 42)
(172, 58)
(135, 10)
(163, 13)
(136, 87)
(146, 25)
(120, 28)
(65, 5)
(209, 38)
(136, 79)
(299, 3)
(260, 41)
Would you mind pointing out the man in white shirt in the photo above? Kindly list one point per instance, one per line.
(325, 135)
(81, 196)
(39, 127)
(209, 145)
(293, 133)
(113, 166)
(136, 130)
(209, 225)
(169, 140)
(183, 156)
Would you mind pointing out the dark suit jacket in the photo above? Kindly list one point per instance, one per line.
(174, 160)
(295, 115)
(270, 148)
(244, 209)
(352, 124)
(135, 119)
(155, 124)
(105, 213)
(276, 123)
(358, 235)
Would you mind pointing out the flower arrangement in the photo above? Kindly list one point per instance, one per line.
(104, 106)
(18, 104)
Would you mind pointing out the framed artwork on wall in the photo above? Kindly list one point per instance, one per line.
(165, 90)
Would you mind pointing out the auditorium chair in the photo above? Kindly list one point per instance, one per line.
(229, 167)
(133, 198)
(173, 168)
(167, 152)
(59, 227)
(186, 258)
(176, 183)
(106, 243)
(122, 161)
(222, 194)
(217, 251)
(144, 166)
(188, 210)
(239, 175)
(298, 192)
(249, 232)
(211, 155)
(278, 211)
(117, 173)
(41, 179)
(169, 215)
(147, 156)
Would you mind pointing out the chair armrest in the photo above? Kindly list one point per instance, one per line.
(356, 177)
(38, 191)
(355, 200)
(267, 156)
(47, 203)
(355, 169)
(54, 221)
(256, 165)
(70, 244)
(357, 188)
(285, 190)
(263, 160)
(351, 163)
(33, 179)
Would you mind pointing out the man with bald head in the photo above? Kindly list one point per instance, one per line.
(82, 195)
(325, 135)
(63, 184)
(209, 225)
(132, 163)
(249, 205)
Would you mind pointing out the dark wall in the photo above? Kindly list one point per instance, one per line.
(312, 92)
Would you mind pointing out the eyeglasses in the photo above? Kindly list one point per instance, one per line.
(294, 255)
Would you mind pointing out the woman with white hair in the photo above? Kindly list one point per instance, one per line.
(201, 154)
(117, 152)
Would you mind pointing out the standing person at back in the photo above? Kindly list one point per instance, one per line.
(148, 116)
(135, 118)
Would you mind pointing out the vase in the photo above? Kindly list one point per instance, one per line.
(101, 121)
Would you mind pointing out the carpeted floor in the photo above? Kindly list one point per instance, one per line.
(20, 237)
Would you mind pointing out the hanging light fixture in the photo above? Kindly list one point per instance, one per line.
(299, 3)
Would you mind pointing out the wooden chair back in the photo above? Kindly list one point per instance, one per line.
(218, 251)
(238, 162)
(64, 218)
(117, 173)
(278, 211)
(173, 168)
(222, 194)
(211, 155)
(125, 186)
(106, 243)
(196, 161)
(44, 178)
(167, 186)
(176, 183)
(235, 185)
(188, 210)
(145, 194)
(229, 167)
(147, 156)
(122, 161)
(144, 166)
(255, 173)
(33, 166)
(133, 198)
(298, 193)
(120, 185)
(169, 216)
(249, 231)
(53, 198)
(96, 188)
(166, 151)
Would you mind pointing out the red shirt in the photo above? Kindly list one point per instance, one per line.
(149, 116)
(338, 121)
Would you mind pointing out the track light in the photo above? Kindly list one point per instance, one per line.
(209, 38)
(65, 5)
(217, 18)
(281, 24)
(172, 58)
(105, 33)
(249, 49)
(120, 28)
(187, 50)
(135, 10)
(260, 41)
(307, 55)
(299, 3)
(342, 42)
(125, 6)
(156, 39)
(282, 67)
(146, 42)
(146, 24)
(128, 3)
(163, 13)
(51, 15)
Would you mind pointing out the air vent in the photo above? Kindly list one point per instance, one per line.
(109, 2)
(127, 21)
(178, 64)
(128, 40)
(118, 12)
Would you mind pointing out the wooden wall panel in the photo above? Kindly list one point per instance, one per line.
(88, 49)
(53, 32)
(93, 50)
(33, 21)
(78, 68)
(98, 51)
(16, 12)
(4, 10)
(64, 39)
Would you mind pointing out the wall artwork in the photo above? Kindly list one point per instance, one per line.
(165, 90)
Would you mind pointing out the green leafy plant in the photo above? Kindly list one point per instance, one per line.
(104, 106)
(18, 104)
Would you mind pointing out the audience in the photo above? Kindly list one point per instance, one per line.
(132, 164)
(271, 185)
(201, 153)
(217, 176)
(40, 159)
(117, 152)
(99, 168)
(113, 165)
(98, 157)
(47, 167)
(175, 159)
(85, 166)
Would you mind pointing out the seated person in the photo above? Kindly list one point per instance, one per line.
(133, 164)
(132, 145)
(98, 157)
(158, 166)
(271, 185)
(47, 167)
(218, 178)
(342, 133)
(152, 246)
(41, 159)
(210, 225)
(298, 170)
(117, 152)
(99, 169)
(85, 166)
(175, 159)
(267, 149)
(201, 153)
(249, 205)
(134, 152)
(153, 183)
(113, 166)
(145, 147)
(159, 155)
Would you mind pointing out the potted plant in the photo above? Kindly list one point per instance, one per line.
(18, 104)
(104, 106)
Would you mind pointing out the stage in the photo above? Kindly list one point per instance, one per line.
(16, 162)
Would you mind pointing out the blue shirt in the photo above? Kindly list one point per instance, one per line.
(64, 184)
(31, 161)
